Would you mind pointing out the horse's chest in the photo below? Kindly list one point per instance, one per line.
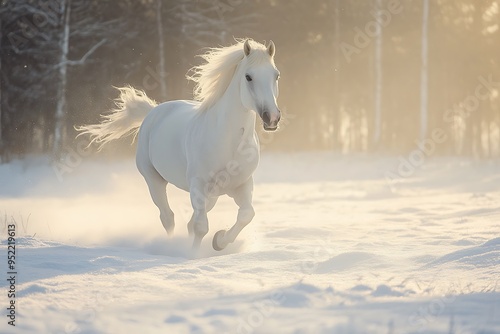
(239, 166)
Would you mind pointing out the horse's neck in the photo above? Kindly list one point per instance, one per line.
(233, 118)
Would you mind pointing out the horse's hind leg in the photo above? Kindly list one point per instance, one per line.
(158, 190)
(243, 198)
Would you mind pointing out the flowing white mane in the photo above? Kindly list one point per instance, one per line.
(214, 76)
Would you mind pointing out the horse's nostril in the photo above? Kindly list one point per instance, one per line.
(266, 117)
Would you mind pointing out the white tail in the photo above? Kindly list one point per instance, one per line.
(132, 106)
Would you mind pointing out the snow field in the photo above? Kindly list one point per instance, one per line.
(331, 250)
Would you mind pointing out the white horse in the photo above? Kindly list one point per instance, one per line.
(209, 146)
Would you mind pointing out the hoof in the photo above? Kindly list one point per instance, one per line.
(216, 242)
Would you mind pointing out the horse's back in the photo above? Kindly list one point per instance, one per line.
(161, 142)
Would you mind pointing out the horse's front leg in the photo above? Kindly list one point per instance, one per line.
(199, 221)
(243, 198)
(210, 203)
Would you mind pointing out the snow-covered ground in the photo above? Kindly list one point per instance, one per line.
(333, 249)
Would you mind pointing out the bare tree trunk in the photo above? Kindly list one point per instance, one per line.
(161, 47)
(63, 79)
(182, 48)
(424, 72)
(1, 136)
(337, 102)
(378, 78)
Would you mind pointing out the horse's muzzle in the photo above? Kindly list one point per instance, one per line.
(270, 122)
(270, 128)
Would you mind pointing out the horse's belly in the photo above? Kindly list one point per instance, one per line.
(166, 147)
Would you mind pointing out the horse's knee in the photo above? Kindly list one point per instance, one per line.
(245, 216)
(200, 227)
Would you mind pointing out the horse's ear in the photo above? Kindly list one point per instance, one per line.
(247, 48)
(271, 49)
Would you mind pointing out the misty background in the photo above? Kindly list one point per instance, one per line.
(356, 76)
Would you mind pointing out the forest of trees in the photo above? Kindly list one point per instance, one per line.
(356, 75)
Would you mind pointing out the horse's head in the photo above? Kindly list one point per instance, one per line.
(259, 84)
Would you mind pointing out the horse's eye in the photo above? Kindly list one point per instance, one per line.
(249, 78)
